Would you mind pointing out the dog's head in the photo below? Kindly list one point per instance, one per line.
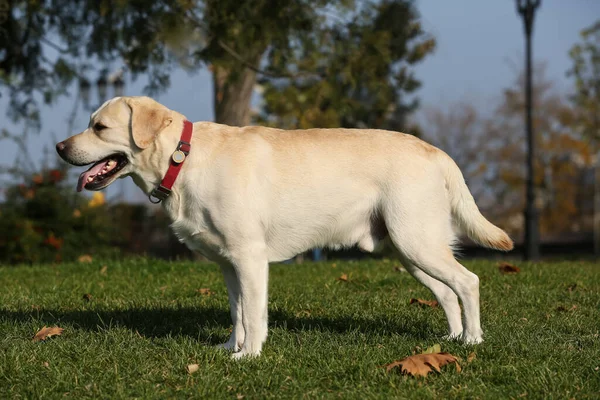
(118, 132)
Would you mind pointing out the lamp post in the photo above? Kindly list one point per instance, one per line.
(115, 81)
(527, 10)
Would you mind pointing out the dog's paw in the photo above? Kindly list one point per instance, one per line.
(453, 336)
(227, 346)
(244, 355)
(472, 339)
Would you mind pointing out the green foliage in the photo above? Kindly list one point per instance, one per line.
(586, 72)
(359, 51)
(43, 220)
(145, 322)
(361, 74)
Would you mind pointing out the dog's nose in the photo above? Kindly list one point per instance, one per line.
(60, 146)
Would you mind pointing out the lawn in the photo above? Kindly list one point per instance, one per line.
(144, 321)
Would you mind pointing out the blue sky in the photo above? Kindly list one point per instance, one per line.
(480, 47)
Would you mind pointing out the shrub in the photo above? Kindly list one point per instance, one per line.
(44, 220)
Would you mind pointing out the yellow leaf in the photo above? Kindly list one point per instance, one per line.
(471, 357)
(85, 258)
(192, 368)
(436, 348)
(97, 200)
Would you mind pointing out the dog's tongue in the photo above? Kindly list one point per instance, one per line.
(90, 172)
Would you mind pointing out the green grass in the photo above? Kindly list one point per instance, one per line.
(327, 339)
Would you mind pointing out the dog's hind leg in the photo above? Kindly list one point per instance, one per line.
(444, 295)
(419, 224)
(236, 340)
(438, 262)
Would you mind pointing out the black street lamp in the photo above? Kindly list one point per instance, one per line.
(527, 10)
(115, 81)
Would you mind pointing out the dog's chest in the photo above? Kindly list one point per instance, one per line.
(197, 231)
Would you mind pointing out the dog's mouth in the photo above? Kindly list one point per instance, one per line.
(102, 173)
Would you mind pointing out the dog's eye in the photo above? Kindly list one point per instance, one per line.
(98, 126)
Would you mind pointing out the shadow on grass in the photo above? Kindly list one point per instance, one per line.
(197, 322)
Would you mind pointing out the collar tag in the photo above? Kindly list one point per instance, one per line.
(178, 157)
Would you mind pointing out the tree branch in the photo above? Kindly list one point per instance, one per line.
(191, 15)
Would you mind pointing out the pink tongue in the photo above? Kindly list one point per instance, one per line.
(90, 172)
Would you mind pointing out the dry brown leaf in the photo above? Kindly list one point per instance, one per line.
(192, 368)
(103, 270)
(430, 303)
(205, 292)
(507, 268)
(422, 364)
(85, 258)
(239, 396)
(46, 364)
(45, 333)
(343, 278)
(87, 297)
(399, 269)
(471, 357)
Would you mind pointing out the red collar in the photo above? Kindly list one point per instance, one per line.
(163, 191)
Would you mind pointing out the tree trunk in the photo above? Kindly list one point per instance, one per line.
(232, 93)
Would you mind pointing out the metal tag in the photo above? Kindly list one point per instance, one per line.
(178, 157)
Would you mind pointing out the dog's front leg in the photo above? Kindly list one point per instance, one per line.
(253, 277)
(236, 340)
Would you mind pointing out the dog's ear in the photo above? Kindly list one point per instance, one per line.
(148, 119)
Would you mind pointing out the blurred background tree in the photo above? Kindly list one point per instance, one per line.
(491, 153)
(586, 73)
(362, 66)
(352, 57)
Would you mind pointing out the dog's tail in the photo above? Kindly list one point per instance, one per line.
(466, 214)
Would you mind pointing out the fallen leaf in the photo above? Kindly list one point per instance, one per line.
(192, 368)
(103, 270)
(399, 269)
(343, 278)
(436, 348)
(564, 308)
(239, 396)
(430, 303)
(45, 333)
(422, 364)
(163, 288)
(507, 268)
(471, 357)
(87, 297)
(45, 364)
(85, 258)
(205, 292)
(572, 287)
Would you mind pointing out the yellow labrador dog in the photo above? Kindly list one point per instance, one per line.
(249, 196)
